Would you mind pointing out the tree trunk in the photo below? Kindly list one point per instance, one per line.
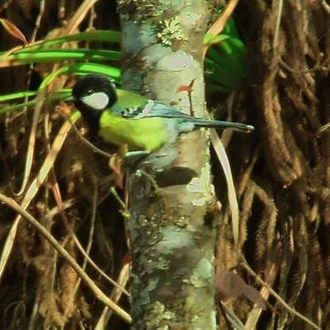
(170, 227)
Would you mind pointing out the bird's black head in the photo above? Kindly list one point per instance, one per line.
(92, 94)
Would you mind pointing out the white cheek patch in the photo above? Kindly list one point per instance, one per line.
(97, 101)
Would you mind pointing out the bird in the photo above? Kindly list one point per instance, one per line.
(122, 117)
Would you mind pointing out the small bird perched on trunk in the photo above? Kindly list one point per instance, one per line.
(122, 117)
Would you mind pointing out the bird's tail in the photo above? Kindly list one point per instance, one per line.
(217, 124)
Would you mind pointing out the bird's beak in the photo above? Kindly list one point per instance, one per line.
(70, 99)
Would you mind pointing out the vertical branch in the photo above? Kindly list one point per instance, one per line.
(171, 225)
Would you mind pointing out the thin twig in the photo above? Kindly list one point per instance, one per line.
(97, 268)
(316, 68)
(84, 140)
(277, 296)
(115, 296)
(66, 204)
(37, 110)
(57, 246)
(88, 248)
(32, 141)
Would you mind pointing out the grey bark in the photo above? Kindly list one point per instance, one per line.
(171, 227)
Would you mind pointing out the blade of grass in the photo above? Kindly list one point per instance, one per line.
(223, 159)
(32, 140)
(97, 35)
(34, 187)
(82, 68)
(17, 107)
(58, 55)
(18, 95)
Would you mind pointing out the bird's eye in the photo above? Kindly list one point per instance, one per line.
(89, 92)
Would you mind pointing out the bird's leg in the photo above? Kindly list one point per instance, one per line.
(133, 158)
(125, 159)
(138, 153)
(154, 188)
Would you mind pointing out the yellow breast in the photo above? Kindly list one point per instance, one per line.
(139, 134)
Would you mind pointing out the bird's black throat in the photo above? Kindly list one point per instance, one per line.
(90, 115)
(84, 89)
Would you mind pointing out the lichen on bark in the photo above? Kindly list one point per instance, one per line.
(172, 244)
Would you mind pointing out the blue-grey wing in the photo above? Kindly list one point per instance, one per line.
(157, 109)
(126, 112)
(184, 122)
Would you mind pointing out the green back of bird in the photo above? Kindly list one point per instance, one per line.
(139, 134)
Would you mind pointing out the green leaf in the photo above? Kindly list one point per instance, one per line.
(230, 28)
(226, 61)
(55, 95)
(83, 68)
(210, 39)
